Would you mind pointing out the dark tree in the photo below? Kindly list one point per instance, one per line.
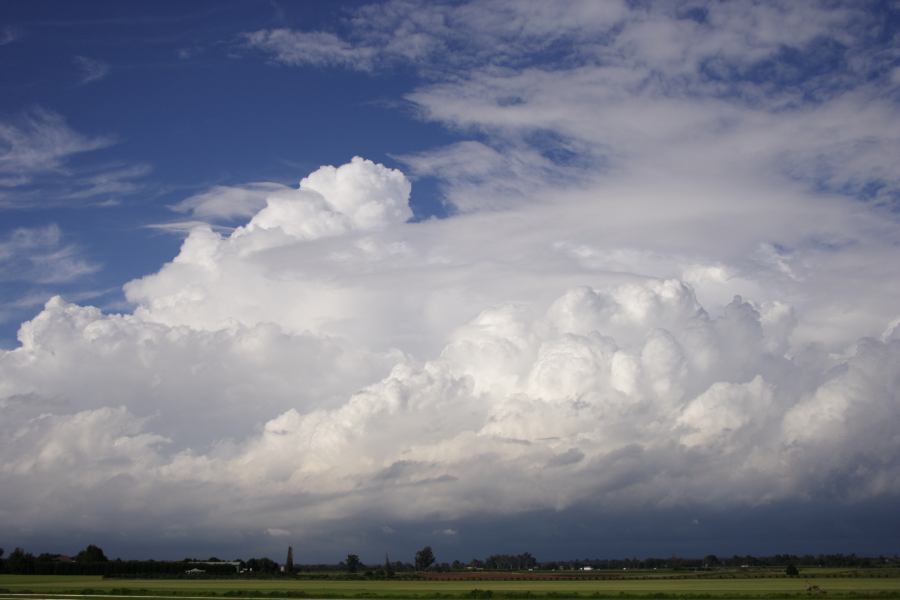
(352, 563)
(712, 560)
(388, 568)
(792, 570)
(511, 562)
(262, 565)
(91, 554)
(424, 558)
(20, 562)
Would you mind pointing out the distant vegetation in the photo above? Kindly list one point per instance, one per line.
(93, 561)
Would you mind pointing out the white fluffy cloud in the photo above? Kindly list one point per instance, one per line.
(331, 360)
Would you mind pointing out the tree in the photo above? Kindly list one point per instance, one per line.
(91, 554)
(424, 558)
(262, 565)
(792, 570)
(20, 562)
(711, 560)
(388, 568)
(353, 563)
(511, 562)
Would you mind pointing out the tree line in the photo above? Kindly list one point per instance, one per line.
(93, 561)
(712, 561)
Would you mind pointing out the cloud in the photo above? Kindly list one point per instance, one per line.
(675, 40)
(35, 263)
(91, 69)
(185, 227)
(711, 76)
(40, 255)
(36, 150)
(622, 418)
(111, 181)
(437, 36)
(9, 34)
(476, 176)
(320, 49)
(223, 203)
(39, 141)
(445, 356)
(276, 532)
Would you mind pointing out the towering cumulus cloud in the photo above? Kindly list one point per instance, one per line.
(330, 362)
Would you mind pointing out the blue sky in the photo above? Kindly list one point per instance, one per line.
(181, 106)
(366, 276)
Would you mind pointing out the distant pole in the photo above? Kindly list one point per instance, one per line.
(289, 563)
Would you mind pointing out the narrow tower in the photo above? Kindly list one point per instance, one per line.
(289, 563)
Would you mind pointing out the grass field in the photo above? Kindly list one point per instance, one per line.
(11, 586)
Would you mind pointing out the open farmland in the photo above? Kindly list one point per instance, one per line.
(760, 587)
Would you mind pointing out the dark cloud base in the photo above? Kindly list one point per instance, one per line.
(869, 528)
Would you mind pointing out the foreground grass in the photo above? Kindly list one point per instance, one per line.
(49, 586)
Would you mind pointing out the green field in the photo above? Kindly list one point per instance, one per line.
(49, 586)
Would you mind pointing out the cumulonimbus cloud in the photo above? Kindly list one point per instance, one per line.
(443, 360)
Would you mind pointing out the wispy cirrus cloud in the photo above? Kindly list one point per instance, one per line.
(37, 263)
(36, 150)
(9, 34)
(223, 202)
(107, 180)
(91, 69)
(712, 75)
(440, 37)
(41, 255)
(221, 207)
(317, 48)
(38, 141)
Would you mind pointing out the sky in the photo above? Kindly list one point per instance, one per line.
(582, 279)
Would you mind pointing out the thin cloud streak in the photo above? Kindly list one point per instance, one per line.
(91, 69)
(39, 255)
(37, 149)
